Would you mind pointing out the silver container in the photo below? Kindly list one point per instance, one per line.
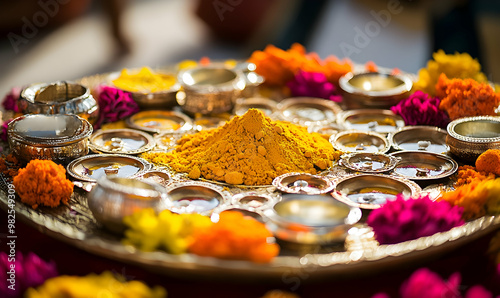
(266, 105)
(59, 98)
(422, 138)
(253, 201)
(113, 198)
(121, 141)
(252, 79)
(379, 90)
(421, 165)
(370, 191)
(309, 110)
(375, 120)
(195, 197)
(311, 219)
(369, 162)
(303, 183)
(210, 89)
(350, 141)
(469, 137)
(60, 138)
(156, 121)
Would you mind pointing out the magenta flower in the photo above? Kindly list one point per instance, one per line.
(406, 219)
(313, 84)
(478, 291)
(421, 109)
(425, 283)
(114, 105)
(22, 272)
(9, 102)
(5, 128)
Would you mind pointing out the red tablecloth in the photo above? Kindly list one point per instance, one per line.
(471, 260)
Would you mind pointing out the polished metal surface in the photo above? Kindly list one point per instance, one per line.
(311, 219)
(369, 162)
(423, 138)
(266, 105)
(303, 183)
(374, 89)
(157, 121)
(113, 198)
(59, 98)
(469, 137)
(375, 120)
(60, 138)
(370, 191)
(422, 165)
(195, 197)
(309, 110)
(121, 141)
(359, 141)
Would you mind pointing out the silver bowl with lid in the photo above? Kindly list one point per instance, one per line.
(309, 110)
(469, 137)
(60, 138)
(422, 138)
(210, 89)
(374, 89)
(60, 97)
(375, 120)
(113, 198)
(311, 219)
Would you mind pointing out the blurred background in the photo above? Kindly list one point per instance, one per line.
(48, 40)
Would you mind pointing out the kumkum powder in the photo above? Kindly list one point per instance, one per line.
(250, 149)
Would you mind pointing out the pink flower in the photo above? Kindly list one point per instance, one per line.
(478, 291)
(30, 271)
(313, 84)
(5, 128)
(425, 283)
(114, 105)
(406, 219)
(421, 109)
(9, 102)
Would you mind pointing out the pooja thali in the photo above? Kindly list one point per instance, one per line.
(75, 223)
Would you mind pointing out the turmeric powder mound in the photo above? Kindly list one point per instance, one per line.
(250, 149)
(43, 182)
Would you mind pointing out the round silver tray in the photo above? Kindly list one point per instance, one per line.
(75, 224)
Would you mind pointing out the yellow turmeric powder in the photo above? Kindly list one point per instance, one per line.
(250, 149)
(144, 81)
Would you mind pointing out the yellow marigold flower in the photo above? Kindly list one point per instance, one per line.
(92, 285)
(167, 231)
(458, 65)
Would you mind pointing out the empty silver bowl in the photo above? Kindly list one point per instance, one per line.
(60, 138)
(374, 89)
(471, 136)
(195, 197)
(309, 110)
(311, 219)
(303, 183)
(113, 198)
(376, 120)
(210, 89)
(422, 138)
(59, 98)
(359, 141)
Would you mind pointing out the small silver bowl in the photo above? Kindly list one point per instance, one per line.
(303, 183)
(195, 197)
(370, 191)
(422, 138)
(359, 141)
(471, 136)
(326, 130)
(374, 89)
(160, 121)
(121, 141)
(253, 201)
(59, 98)
(311, 219)
(113, 198)
(369, 162)
(252, 79)
(422, 165)
(210, 89)
(265, 105)
(60, 138)
(376, 120)
(158, 177)
(309, 110)
(92, 167)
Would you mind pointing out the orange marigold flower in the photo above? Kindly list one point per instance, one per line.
(466, 97)
(489, 162)
(370, 66)
(43, 182)
(469, 196)
(467, 174)
(235, 237)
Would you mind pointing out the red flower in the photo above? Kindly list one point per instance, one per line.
(313, 84)
(421, 109)
(9, 102)
(114, 105)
